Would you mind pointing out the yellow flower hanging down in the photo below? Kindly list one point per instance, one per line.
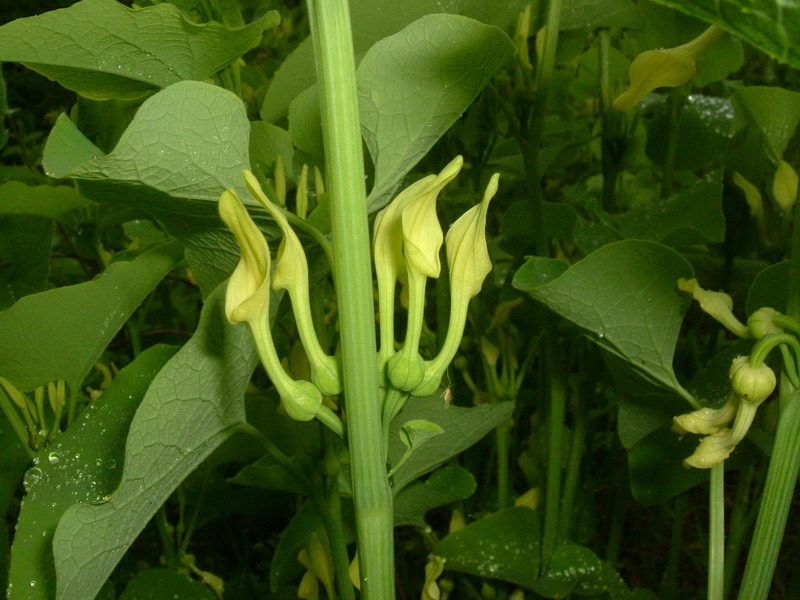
(665, 67)
(247, 300)
(717, 304)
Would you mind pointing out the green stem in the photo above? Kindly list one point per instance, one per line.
(555, 435)
(165, 533)
(531, 142)
(669, 583)
(793, 293)
(503, 480)
(716, 533)
(675, 102)
(573, 468)
(775, 503)
(333, 45)
(738, 525)
(608, 158)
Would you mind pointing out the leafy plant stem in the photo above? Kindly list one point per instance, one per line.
(332, 519)
(531, 141)
(555, 435)
(737, 525)
(675, 102)
(333, 46)
(573, 468)
(607, 158)
(669, 583)
(775, 502)
(503, 482)
(716, 534)
(165, 534)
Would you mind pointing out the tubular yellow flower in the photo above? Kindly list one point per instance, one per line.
(291, 274)
(247, 300)
(247, 296)
(430, 589)
(469, 261)
(708, 420)
(665, 67)
(751, 195)
(717, 304)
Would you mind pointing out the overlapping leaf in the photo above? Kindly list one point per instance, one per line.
(194, 404)
(103, 49)
(60, 333)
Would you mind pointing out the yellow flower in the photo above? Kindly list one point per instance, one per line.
(665, 67)
(430, 589)
(708, 420)
(717, 304)
(247, 296)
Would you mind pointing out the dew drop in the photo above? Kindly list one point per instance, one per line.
(53, 458)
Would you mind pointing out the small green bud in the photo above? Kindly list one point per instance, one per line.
(784, 186)
(752, 384)
(405, 370)
(301, 400)
(761, 322)
(751, 195)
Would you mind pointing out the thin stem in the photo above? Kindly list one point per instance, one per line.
(503, 480)
(608, 158)
(16, 423)
(573, 468)
(555, 435)
(737, 525)
(675, 102)
(331, 35)
(165, 533)
(793, 293)
(716, 533)
(544, 74)
(669, 583)
(775, 502)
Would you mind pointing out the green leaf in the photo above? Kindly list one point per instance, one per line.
(704, 132)
(194, 404)
(625, 296)
(284, 566)
(462, 428)
(42, 200)
(414, 85)
(693, 216)
(81, 465)
(267, 143)
(185, 146)
(372, 20)
(769, 288)
(448, 484)
(418, 431)
(102, 49)
(161, 583)
(576, 568)
(305, 123)
(773, 27)
(593, 14)
(504, 546)
(15, 460)
(773, 112)
(60, 333)
(25, 242)
(266, 474)
(3, 110)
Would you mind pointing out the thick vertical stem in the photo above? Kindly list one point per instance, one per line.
(573, 469)
(333, 46)
(716, 533)
(775, 502)
(669, 582)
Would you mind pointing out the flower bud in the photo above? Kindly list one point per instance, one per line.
(717, 304)
(761, 322)
(529, 499)
(405, 370)
(752, 384)
(784, 186)
(708, 420)
(712, 450)
(751, 195)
